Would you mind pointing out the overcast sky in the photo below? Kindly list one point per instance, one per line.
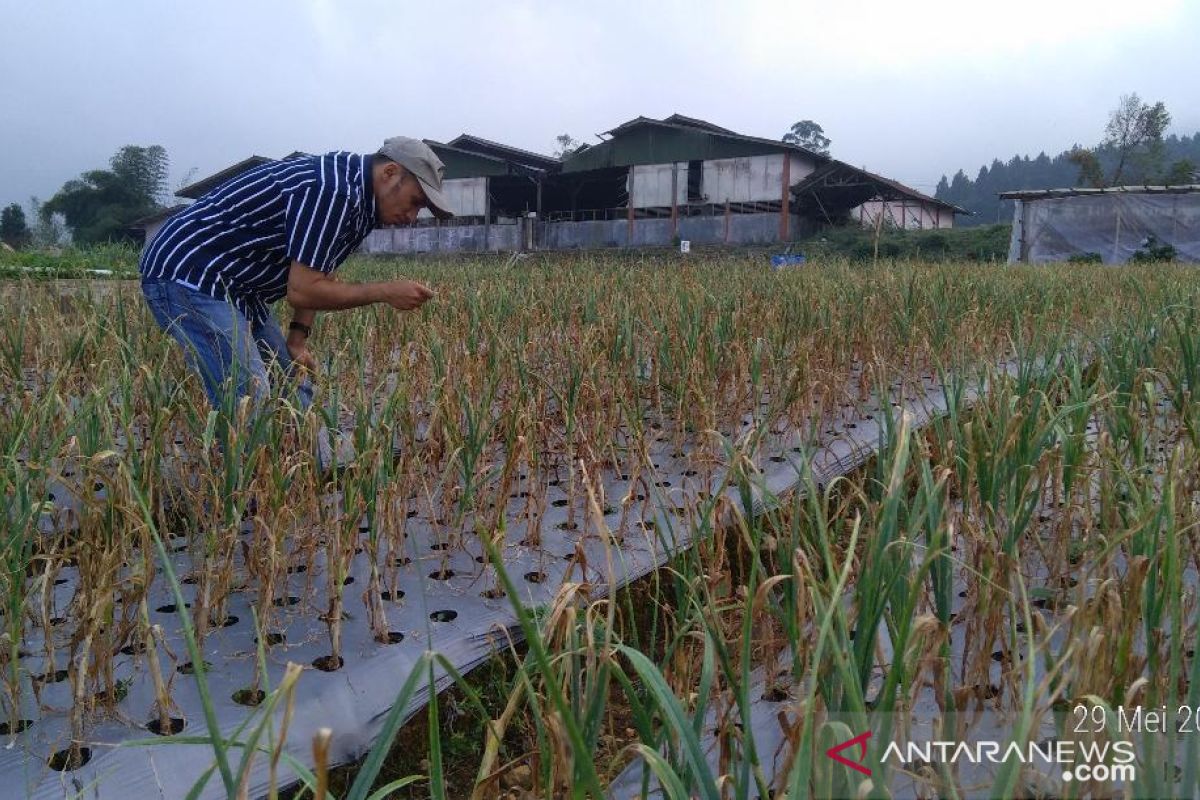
(910, 89)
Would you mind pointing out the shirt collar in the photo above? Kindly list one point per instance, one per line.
(368, 164)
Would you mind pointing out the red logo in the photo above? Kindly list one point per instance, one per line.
(835, 752)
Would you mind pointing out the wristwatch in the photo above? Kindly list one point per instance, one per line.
(300, 326)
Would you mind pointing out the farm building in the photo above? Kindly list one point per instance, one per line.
(649, 183)
(492, 189)
(687, 178)
(1112, 224)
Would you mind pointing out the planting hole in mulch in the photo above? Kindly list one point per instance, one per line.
(290, 600)
(136, 648)
(446, 615)
(567, 526)
(391, 637)
(412, 514)
(69, 759)
(555, 482)
(155, 726)
(58, 676)
(392, 596)
(492, 594)
(186, 668)
(778, 459)
(60, 581)
(559, 503)
(647, 524)
(441, 574)
(228, 622)
(349, 579)
(662, 484)
(272, 638)
(249, 697)
(56, 621)
(776, 694)
(190, 580)
(170, 608)
(440, 546)
(328, 663)
(22, 724)
(535, 577)
(401, 561)
(297, 569)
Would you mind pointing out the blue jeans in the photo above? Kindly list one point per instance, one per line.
(221, 344)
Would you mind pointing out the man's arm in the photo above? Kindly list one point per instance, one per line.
(313, 290)
(297, 341)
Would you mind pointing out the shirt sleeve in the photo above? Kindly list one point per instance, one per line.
(313, 221)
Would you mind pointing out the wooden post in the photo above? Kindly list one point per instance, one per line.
(629, 234)
(787, 190)
(487, 213)
(674, 196)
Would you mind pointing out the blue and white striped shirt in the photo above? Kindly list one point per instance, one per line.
(239, 240)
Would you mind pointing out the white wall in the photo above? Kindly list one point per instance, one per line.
(909, 214)
(751, 179)
(467, 196)
(652, 185)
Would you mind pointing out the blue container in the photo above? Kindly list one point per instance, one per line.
(786, 260)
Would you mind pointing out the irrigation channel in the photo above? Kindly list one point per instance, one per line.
(991, 557)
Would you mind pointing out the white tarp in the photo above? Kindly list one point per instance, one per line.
(1113, 225)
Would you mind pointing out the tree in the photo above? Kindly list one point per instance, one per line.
(1135, 128)
(1133, 144)
(1091, 174)
(567, 145)
(1181, 173)
(100, 204)
(49, 230)
(13, 230)
(809, 135)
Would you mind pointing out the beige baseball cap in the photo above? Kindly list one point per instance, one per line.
(417, 157)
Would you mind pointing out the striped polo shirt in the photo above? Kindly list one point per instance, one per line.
(238, 241)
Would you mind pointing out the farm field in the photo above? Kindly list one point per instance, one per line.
(715, 519)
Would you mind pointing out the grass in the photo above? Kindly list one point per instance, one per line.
(1018, 554)
(111, 260)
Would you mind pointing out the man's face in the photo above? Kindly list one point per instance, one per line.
(398, 196)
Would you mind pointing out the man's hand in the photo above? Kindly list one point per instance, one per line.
(298, 350)
(311, 290)
(404, 295)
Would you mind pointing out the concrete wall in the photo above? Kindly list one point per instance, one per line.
(444, 238)
(734, 229)
(652, 185)
(910, 214)
(752, 179)
(583, 235)
(467, 196)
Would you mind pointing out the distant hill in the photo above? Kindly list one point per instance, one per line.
(1042, 172)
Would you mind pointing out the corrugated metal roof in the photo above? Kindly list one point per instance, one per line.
(857, 185)
(678, 121)
(195, 190)
(1078, 191)
(477, 144)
